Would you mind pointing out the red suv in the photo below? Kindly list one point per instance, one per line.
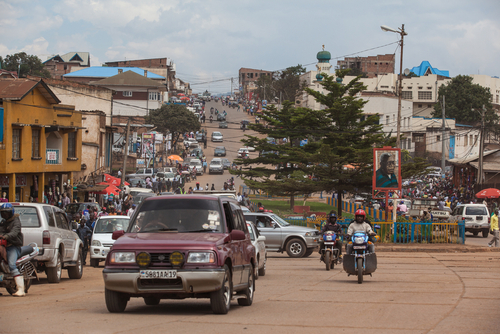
(182, 246)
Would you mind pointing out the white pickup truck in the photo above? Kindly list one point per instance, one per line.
(60, 247)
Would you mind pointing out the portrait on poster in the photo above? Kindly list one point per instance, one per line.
(387, 169)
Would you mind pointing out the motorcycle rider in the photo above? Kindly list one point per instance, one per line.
(211, 118)
(331, 225)
(360, 225)
(10, 230)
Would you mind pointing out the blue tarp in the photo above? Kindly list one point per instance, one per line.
(1, 125)
(425, 66)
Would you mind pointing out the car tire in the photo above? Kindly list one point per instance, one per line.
(54, 273)
(295, 248)
(249, 291)
(94, 263)
(257, 269)
(486, 233)
(309, 251)
(116, 302)
(76, 272)
(220, 300)
(262, 271)
(151, 301)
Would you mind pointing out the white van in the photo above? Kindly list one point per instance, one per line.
(476, 217)
(102, 236)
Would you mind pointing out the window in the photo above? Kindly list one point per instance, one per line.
(16, 143)
(438, 138)
(154, 96)
(418, 139)
(386, 120)
(466, 140)
(407, 95)
(72, 144)
(409, 144)
(425, 95)
(403, 143)
(61, 221)
(475, 141)
(49, 215)
(128, 94)
(35, 143)
(420, 106)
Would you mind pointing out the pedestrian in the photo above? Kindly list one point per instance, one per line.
(85, 234)
(494, 230)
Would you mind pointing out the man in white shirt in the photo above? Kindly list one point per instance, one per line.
(131, 211)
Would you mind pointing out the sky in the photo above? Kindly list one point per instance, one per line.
(210, 40)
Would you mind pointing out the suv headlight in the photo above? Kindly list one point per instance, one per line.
(96, 243)
(201, 257)
(122, 257)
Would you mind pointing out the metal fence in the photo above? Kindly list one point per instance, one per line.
(400, 232)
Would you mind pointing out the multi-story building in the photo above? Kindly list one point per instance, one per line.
(60, 65)
(40, 141)
(373, 66)
(247, 78)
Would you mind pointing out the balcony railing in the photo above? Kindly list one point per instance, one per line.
(52, 157)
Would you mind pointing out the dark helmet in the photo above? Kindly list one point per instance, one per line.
(7, 210)
(332, 215)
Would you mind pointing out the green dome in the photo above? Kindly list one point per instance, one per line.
(324, 56)
(319, 77)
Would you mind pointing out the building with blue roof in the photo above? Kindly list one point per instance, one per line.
(425, 68)
(101, 72)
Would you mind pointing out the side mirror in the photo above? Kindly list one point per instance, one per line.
(237, 235)
(117, 234)
(261, 238)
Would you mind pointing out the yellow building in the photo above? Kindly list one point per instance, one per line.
(40, 142)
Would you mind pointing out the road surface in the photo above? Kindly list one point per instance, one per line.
(409, 293)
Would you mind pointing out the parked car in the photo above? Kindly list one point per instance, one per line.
(190, 141)
(217, 136)
(137, 182)
(215, 166)
(220, 151)
(226, 163)
(142, 173)
(476, 217)
(196, 164)
(221, 117)
(167, 169)
(59, 246)
(223, 125)
(249, 148)
(281, 236)
(166, 176)
(258, 241)
(182, 246)
(101, 236)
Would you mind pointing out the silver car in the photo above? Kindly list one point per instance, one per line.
(281, 236)
(216, 136)
(216, 166)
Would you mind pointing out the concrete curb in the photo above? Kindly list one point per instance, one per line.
(443, 248)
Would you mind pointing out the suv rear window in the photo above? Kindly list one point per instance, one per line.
(476, 211)
(28, 216)
(178, 215)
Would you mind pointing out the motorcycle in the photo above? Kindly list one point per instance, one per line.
(330, 254)
(361, 261)
(26, 266)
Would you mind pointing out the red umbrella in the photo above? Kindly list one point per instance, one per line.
(488, 193)
(181, 94)
(184, 98)
(109, 189)
(114, 180)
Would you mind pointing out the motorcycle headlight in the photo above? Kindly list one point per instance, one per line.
(359, 240)
(122, 257)
(201, 257)
(96, 243)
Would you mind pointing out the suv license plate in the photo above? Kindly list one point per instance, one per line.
(158, 274)
(479, 217)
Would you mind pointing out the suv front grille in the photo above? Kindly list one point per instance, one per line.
(160, 258)
(161, 283)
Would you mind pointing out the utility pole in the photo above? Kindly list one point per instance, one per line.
(481, 149)
(443, 156)
(231, 86)
(400, 92)
(126, 153)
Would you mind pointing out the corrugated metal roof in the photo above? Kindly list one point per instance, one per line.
(106, 72)
(17, 89)
(471, 157)
(487, 166)
(128, 78)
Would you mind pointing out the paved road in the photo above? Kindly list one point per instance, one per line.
(232, 136)
(409, 293)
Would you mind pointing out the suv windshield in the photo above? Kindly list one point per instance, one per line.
(476, 211)
(28, 216)
(178, 215)
(73, 208)
(215, 162)
(279, 220)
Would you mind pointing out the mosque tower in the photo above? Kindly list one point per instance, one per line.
(323, 64)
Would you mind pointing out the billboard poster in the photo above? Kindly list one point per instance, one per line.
(387, 169)
(147, 145)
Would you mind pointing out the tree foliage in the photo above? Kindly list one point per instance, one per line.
(30, 65)
(284, 85)
(175, 119)
(461, 97)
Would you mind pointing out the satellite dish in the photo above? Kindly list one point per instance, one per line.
(406, 71)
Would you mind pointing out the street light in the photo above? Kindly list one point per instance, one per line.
(402, 33)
